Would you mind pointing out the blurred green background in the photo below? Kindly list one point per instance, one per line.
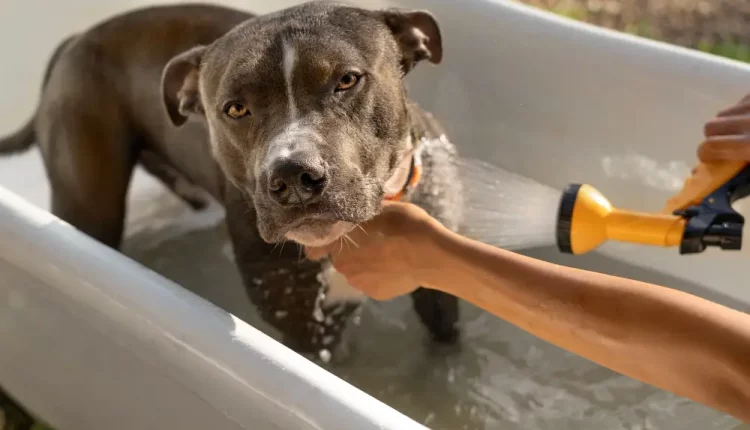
(720, 27)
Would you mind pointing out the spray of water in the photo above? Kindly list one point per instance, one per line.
(507, 210)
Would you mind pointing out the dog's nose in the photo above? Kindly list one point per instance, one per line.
(297, 180)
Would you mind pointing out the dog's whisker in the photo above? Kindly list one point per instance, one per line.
(363, 229)
(352, 241)
(346, 239)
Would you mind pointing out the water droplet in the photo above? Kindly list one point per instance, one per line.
(325, 355)
(280, 315)
(228, 251)
(318, 315)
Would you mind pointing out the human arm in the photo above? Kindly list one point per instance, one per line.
(669, 339)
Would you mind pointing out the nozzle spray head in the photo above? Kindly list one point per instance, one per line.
(586, 219)
(581, 219)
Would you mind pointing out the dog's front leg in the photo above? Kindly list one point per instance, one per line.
(288, 290)
(440, 194)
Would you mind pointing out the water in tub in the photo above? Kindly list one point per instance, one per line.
(499, 378)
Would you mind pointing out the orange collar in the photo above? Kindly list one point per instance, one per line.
(415, 175)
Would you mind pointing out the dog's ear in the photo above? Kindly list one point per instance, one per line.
(418, 35)
(179, 85)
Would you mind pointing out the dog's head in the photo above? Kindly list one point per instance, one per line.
(306, 110)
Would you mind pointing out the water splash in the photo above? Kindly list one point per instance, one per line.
(505, 209)
(669, 176)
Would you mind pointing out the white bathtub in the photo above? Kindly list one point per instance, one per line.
(92, 340)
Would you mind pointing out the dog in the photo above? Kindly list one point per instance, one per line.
(297, 121)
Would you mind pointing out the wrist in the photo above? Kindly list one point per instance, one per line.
(431, 250)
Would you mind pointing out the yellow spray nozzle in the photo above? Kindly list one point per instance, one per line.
(700, 215)
(586, 219)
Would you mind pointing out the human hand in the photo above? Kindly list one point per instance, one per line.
(728, 135)
(385, 257)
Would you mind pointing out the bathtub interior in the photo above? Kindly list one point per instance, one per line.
(518, 114)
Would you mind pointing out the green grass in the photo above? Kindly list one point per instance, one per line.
(726, 49)
(578, 14)
(731, 50)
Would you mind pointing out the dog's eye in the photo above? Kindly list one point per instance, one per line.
(347, 82)
(236, 111)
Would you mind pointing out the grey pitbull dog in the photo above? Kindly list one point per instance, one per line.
(297, 121)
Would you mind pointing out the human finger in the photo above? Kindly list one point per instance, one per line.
(741, 108)
(728, 125)
(725, 148)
